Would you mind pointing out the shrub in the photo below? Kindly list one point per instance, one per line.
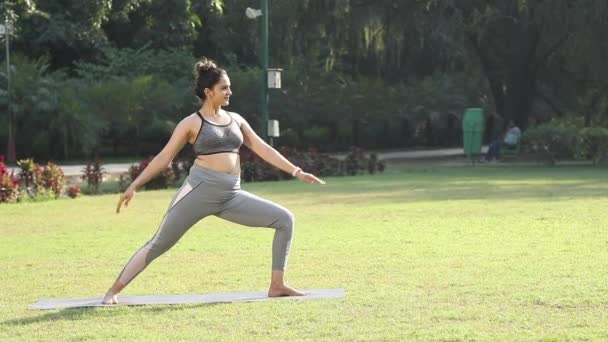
(182, 163)
(255, 169)
(73, 191)
(320, 164)
(357, 162)
(29, 173)
(52, 179)
(373, 164)
(30, 177)
(9, 184)
(93, 174)
(41, 182)
(551, 142)
(162, 181)
(593, 143)
(9, 188)
(123, 180)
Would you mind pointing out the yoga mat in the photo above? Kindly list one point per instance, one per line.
(50, 304)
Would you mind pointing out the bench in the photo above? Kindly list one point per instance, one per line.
(510, 150)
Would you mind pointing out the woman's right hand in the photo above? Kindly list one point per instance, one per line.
(308, 178)
(125, 198)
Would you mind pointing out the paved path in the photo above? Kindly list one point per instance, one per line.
(423, 154)
(118, 168)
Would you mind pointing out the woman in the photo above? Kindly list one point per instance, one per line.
(213, 184)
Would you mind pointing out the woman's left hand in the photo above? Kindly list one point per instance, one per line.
(309, 178)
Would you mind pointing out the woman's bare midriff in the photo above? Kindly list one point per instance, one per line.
(229, 163)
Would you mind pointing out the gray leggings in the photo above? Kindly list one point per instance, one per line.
(207, 192)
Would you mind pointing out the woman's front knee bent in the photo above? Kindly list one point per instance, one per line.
(286, 221)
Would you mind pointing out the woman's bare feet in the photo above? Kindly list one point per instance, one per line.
(278, 287)
(111, 296)
(110, 299)
(283, 291)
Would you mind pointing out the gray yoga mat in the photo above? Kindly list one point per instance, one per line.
(49, 304)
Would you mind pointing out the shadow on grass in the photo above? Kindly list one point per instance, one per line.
(75, 314)
(65, 315)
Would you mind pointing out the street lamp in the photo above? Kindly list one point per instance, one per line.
(5, 30)
(254, 14)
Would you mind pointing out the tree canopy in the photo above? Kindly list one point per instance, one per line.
(409, 61)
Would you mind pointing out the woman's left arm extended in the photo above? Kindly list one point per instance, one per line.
(272, 156)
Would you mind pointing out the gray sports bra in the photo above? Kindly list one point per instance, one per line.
(213, 138)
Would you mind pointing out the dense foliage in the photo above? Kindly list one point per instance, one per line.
(107, 77)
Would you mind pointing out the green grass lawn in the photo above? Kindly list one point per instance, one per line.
(424, 254)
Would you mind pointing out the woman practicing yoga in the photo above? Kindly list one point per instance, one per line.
(213, 184)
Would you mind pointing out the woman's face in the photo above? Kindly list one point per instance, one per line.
(220, 94)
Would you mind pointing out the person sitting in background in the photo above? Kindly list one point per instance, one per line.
(510, 139)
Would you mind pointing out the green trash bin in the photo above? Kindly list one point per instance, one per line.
(472, 131)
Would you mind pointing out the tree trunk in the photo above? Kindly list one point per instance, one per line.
(519, 96)
(333, 132)
(588, 114)
(405, 132)
(514, 94)
(356, 129)
(595, 99)
(65, 145)
(137, 142)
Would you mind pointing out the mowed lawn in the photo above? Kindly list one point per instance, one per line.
(486, 253)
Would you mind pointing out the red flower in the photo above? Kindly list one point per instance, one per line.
(14, 179)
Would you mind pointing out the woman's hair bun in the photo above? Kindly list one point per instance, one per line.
(206, 75)
(205, 65)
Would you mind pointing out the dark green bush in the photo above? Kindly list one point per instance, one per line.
(162, 181)
(593, 143)
(312, 161)
(552, 143)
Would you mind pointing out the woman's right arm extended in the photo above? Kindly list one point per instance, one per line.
(160, 162)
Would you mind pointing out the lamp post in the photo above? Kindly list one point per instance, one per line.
(254, 14)
(5, 30)
(265, 56)
(271, 78)
(274, 82)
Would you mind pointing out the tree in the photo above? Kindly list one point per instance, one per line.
(75, 124)
(69, 30)
(30, 101)
(158, 23)
(514, 40)
(580, 75)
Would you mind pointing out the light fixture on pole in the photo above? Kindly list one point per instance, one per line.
(273, 130)
(252, 13)
(274, 78)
